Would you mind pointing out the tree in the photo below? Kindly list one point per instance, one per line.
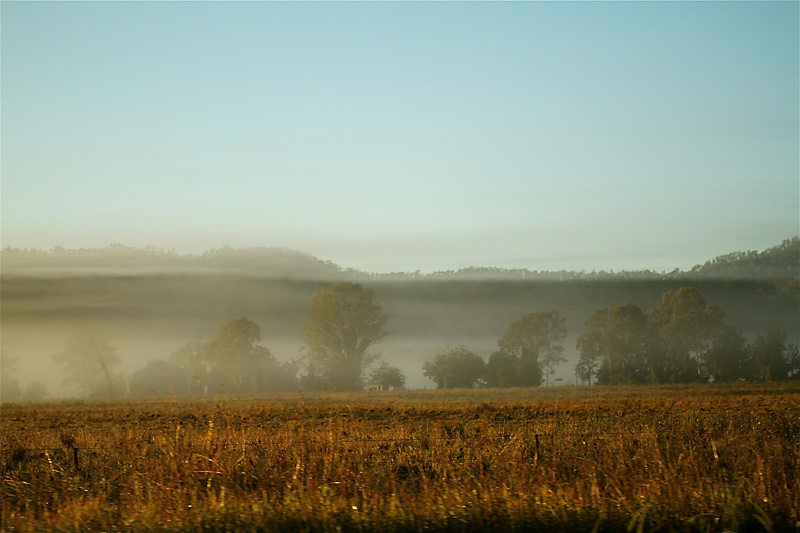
(344, 321)
(774, 359)
(455, 368)
(686, 324)
(531, 343)
(88, 365)
(233, 359)
(728, 357)
(385, 376)
(618, 347)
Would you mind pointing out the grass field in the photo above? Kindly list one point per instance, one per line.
(704, 458)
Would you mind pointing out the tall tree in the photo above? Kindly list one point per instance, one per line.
(234, 359)
(774, 359)
(619, 346)
(687, 324)
(728, 357)
(455, 368)
(344, 321)
(89, 364)
(531, 344)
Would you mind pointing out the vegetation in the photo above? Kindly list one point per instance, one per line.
(344, 321)
(457, 368)
(147, 304)
(673, 458)
(680, 340)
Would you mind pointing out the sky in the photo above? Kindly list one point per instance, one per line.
(397, 136)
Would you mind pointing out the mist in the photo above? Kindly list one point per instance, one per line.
(149, 303)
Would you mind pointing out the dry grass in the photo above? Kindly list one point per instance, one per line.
(605, 459)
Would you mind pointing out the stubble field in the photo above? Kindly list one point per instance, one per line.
(704, 458)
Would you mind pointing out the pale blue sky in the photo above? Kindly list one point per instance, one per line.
(404, 136)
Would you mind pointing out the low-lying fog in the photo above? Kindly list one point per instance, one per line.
(148, 304)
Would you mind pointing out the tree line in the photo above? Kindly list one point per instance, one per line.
(681, 339)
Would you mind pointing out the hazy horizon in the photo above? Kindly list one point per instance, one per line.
(157, 252)
(405, 136)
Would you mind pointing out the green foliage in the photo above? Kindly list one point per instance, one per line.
(680, 340)
(530, 347)
(231, 361)
(455, 368)
(385, 377)
(619, 346)
(344, 321)
(774, 359)
(686, 325)
(729, 357)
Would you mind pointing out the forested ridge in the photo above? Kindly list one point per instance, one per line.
(779, 262)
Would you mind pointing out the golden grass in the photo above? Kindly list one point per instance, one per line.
(705, 458)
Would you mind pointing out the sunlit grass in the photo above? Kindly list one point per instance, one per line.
(680, 458)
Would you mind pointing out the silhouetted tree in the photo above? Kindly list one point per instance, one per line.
(231, 361)
(235, 360)
(774, 359)
(89, 364)
(455, 368)
(385, 376)
(618, 347)
(530, 344)
(343, 322)
(686, 324)
(728, 358)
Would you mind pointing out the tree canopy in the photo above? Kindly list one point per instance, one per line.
(455, 368)
(344, 321)
(531, 347)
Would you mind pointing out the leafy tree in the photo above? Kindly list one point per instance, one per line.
(385, 376)
(229, 361)
(530, 344)
(506, 370)
(728, 357)
(618, 347)
(344, 321)
(88, 365)
(233, 358)
(774, 359)
(686, 324)
(455, 368)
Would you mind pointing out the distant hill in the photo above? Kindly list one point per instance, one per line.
(778, 263)
(126, 260)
